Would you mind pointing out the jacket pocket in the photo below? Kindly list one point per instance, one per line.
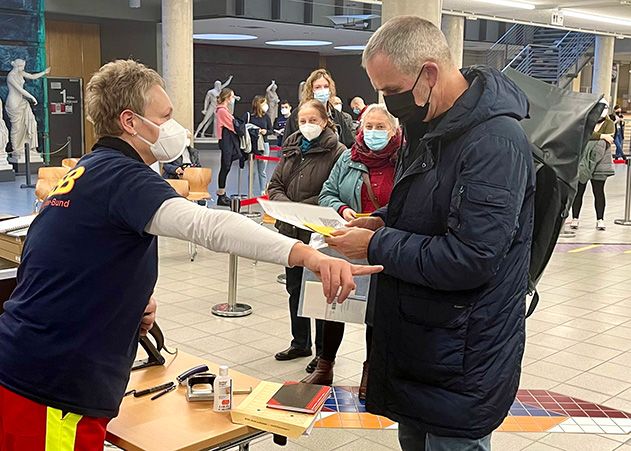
(431, 339)
(489, 195)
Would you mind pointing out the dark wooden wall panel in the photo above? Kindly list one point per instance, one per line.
(253, 70)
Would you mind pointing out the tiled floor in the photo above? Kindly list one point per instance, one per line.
(578, 345)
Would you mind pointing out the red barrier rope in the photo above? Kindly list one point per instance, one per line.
(264, 158)
(275, 148)
(253, 200)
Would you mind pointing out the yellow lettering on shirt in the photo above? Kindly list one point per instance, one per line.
(66, 184)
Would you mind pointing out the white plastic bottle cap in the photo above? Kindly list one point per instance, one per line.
(223, 370)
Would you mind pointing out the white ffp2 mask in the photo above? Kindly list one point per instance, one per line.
(310, 131)
(171, 140)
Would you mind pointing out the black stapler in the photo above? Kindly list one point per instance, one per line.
(153, 350)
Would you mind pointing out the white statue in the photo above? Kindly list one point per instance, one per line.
(272, 101)
(23, 123)
(210, 105)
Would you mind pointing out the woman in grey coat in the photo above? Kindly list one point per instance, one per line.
(596, 166)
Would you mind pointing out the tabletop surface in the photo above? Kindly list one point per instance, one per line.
(171, 422)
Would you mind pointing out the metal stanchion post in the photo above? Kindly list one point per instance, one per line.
(232, 308)
(69, 141)
(27, 164)
(627, 199)
(250, 213)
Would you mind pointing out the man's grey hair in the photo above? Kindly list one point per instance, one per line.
(409, 41)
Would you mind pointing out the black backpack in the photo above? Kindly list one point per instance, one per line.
(559, 125)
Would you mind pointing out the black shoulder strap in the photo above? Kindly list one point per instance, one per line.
(535, 298)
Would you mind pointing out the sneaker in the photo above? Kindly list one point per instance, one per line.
(223, 200)
(574, 224)
(600, 224)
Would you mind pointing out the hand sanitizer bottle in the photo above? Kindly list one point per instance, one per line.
(222, 389)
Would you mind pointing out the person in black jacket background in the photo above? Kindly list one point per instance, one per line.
(320, 86)
(259, 118)
(454, 241)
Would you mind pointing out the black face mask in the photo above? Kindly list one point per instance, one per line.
(403, 106)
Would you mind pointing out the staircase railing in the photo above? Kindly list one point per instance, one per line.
(509, 44)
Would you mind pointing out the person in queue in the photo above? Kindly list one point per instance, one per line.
(281, 121)
(361, 182)
(228, 141)
(70, 329)
(259, 117)
(454, 241)
(320, 86)
(190, 158)
(308, 157)
(358, 106)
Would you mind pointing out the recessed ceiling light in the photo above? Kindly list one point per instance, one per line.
(350, 47)
(596, 18)
(224, 37)
(509, 3)
(299, 43)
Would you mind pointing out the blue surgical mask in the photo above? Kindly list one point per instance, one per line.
(356, 110)
(376, 140)
(322, 95)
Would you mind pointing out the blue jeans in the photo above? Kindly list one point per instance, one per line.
(413, 439)
(618, 142)
(260, 179)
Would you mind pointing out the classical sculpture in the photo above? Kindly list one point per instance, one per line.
(23, 122)
(210, 105)
(272, 101)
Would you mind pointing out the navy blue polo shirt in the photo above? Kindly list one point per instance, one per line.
(69, 333)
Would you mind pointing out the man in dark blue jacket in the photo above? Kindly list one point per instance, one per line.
(454, 241)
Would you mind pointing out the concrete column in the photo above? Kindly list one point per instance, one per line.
(427, 9)
(453, 29)
(603, 62)
(177, 57)
(576, 83)
(614, 88)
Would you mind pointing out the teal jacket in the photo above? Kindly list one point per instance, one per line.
(344, 185)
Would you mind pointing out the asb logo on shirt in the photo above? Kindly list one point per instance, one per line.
(66, 184)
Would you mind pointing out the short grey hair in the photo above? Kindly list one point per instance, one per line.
(380, 107)
(409, 41)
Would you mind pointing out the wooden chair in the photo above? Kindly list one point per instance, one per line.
(69, 163)
(47, 179)
(180, 186)
(198, 180)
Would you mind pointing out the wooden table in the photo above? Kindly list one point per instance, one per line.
(171, 422)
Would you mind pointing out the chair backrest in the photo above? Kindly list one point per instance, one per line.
(69, 162)
(198, 179)
(47, 179)
(180, 186)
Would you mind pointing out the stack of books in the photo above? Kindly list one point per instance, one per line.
(288, 409)
(12, 236)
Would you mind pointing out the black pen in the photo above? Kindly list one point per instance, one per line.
(164, 392)
(148, 391)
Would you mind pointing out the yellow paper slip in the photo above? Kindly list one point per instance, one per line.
(322, 230)
(253, 412)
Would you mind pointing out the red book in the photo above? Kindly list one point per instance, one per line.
(300, 397)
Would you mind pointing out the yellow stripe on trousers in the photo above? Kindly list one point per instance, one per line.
(61, 431)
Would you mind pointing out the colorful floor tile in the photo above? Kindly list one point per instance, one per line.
(532, 411)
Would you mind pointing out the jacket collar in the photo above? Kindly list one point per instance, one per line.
(326, 142)
(111, 142)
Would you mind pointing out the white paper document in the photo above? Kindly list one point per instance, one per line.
(298, 214)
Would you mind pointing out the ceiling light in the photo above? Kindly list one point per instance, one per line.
(224, 37)
(596, 18)
(508, 3)
(299, 43)
(350, 47)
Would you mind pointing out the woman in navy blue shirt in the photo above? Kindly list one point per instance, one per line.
(258, 117)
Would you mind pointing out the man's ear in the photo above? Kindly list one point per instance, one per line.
(431, 72)
(126, 119)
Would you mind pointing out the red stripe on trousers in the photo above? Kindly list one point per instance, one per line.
(23, 426)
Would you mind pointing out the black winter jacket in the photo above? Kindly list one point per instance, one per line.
(449, 322)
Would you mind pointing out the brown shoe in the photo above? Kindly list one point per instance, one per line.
(364, 382)
(323, 374)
